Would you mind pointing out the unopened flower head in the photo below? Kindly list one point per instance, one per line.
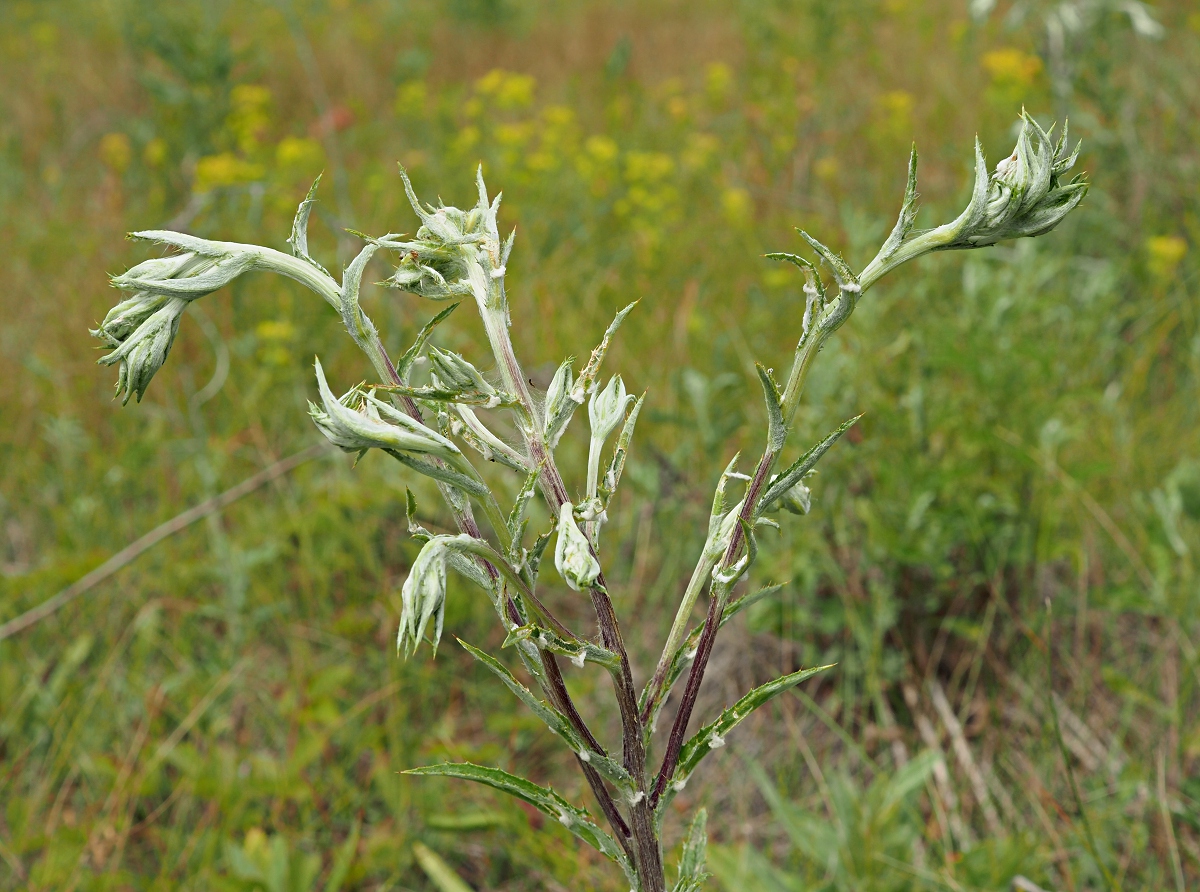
(142, 328)
(455, 373)
(423, 596)
(572, 556)
(798, 499)
(438, 262)
(1025, 195)
(606, 409)
(359, 421)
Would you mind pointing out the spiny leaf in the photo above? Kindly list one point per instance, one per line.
(441, 473)
(617, 466)
(686, 651)
(556, 722)
(805, 463)
(691, 864)
(299, 237)
(516, 517)
(584, 383)
(575, 819)
(404, 366)
(712, 735)
(776, 426)
(908, 211)
(578, 652)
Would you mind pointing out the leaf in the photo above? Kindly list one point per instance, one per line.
(299, 237)
(691, 863)
(841, 271)
(404, 366)
(578, 652)
(776, 426)
(805, 463)
(908, 212)
(440, 873)
(516, 517)
(575, 819)
(441, 473)
(357, 324)
(557, 722)
(712, 735)
(617, 466)
(183, 241)
(687, 650)
(584, 383)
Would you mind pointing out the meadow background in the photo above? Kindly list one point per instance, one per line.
(228, 712)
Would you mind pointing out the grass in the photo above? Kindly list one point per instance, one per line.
(228, 711)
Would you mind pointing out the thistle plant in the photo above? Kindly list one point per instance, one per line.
(421, 409)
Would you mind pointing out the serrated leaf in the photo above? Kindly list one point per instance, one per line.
(404, 366)
(516, 517)
(841, 271)
(691, 863)
(583, 384)
(621, 451)
(712, 735)
(805, 463)
(908, 210)
(557, 722)
(360, 327)
(441, 473)
(687, 650)
(299, 237)
(578, 652)
(575, 819)
(776, 426)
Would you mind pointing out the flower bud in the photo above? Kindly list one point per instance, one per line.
(1024, 196)
(797, 499)
(572, 555)
(560, 404)
(142, 328)
(607, 408)
(423, 596)
(456, 374)
(142, 350)
(356, 422)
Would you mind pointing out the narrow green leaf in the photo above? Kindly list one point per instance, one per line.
(578, 652)
(441, 474)
(440, 873)
(516, 517)
(299, 237)
(575, 819)
(908, 212)
(404, 366)
(691, 864)
(686, 651)
(776, 426)
(712, 735)
(841, 271)
(556, 722)
(584, 383)
(805, 463)
(617, 466)
(360, 327)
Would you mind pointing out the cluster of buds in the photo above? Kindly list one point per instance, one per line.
(1025, 196)
(142, 329)
(573, 556)
(454, 251)
(423, 596)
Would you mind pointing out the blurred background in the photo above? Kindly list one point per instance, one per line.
(228, 711)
